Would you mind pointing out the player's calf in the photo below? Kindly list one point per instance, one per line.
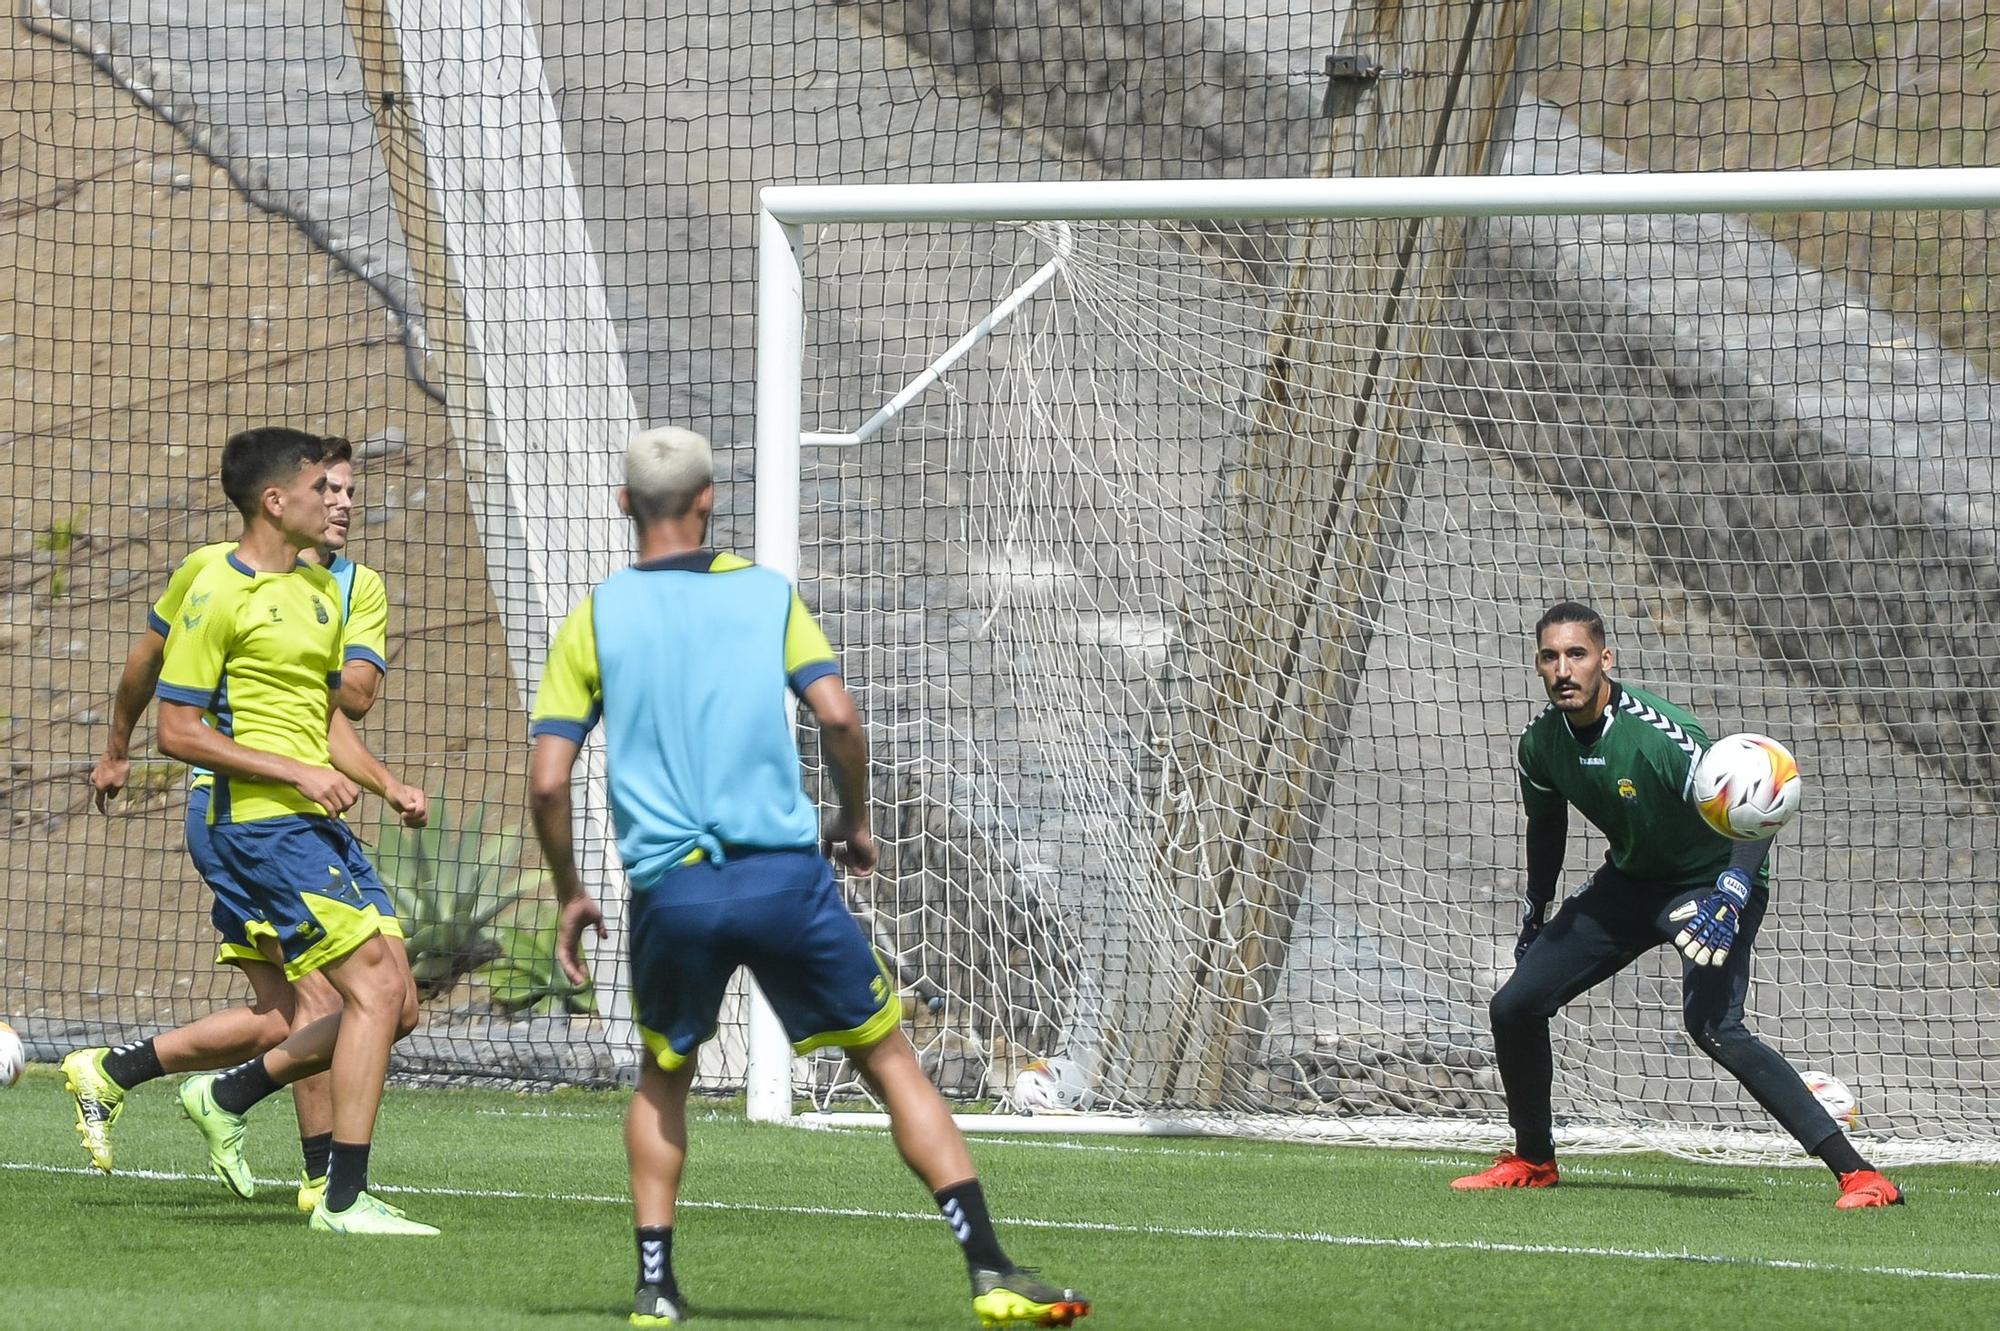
(1003, 1294)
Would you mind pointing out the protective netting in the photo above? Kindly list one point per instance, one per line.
(1193, 617)
(482, 239)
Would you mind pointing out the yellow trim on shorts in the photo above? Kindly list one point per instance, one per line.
(872, 1031)
(346, 928)
(235, 954)
(663, 1052)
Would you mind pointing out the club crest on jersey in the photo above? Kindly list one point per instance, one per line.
(319, 611)
(1626, 790)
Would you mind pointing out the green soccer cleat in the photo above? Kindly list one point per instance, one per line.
(312, 1192)
(368, 1216)
(653, 1306)
(100, 1102)
(222, 1130)
(1013, 1298)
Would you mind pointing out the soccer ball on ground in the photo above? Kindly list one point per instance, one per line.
(1050, 1086)
(1747, 786)
(12, 1056)
(1833, 1096)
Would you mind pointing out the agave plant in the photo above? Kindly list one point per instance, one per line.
(449, 885)
(525, 977)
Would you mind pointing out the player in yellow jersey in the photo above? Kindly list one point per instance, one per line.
(98, 1078)
(257, 645)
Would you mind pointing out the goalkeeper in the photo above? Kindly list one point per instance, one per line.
(686, 658)
(1625, 758)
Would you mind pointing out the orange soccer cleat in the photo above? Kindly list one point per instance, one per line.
(1510, 1171)
(1867, 1187)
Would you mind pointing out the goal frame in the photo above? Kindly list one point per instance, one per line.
(787, 211)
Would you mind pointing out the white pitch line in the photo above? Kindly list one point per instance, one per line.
(1317, 1237)
(1804, 1173)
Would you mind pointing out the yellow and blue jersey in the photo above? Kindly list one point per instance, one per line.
(364, 613)
(686, 660)
(161, 617)
(260, 653)
(364, 603)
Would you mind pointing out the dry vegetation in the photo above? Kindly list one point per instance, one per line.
(1694, 85)
(149, 312)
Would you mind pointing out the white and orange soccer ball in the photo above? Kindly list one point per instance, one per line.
(1833, 1096)
(1747, 786)
(12, 1056)
(1051, 1086)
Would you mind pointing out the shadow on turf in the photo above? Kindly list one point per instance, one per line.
(709, 1312)
(1693, 1191)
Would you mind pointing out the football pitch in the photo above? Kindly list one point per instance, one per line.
(789, 1228)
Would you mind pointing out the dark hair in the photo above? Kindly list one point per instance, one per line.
(335, 449)
(268, 455)
(1572, 612)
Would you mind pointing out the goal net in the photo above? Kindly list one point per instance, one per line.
(1191, 613)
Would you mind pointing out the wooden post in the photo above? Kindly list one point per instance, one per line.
(1276, 652)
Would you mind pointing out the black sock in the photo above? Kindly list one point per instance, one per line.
(964, 1207)
(656, 1258)
(1838, 1154)
(318, 1150)
(239, 1089)
(346, 1174)
(133, 1064)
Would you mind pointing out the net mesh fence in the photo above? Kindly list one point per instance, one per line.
(482, 241)
(1195, 625)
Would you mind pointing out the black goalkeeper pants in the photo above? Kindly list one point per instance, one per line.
(1600, 931)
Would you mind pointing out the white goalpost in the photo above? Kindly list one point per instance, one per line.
(1181, 541)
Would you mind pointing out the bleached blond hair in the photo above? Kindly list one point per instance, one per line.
(666, 469)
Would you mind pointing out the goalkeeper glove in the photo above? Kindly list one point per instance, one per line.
(1531, 926)
(1707, 937)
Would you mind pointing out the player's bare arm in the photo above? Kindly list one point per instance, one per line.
(360, 689)
(183, 735)
(353, 759)
(135, 690)
(549, 798)
(844, 742)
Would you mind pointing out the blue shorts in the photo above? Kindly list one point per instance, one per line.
(234, 916)
(309, 883)
(777, 912)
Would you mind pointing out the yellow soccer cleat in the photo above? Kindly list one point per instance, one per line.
(100, 1102)
(368, 1216)
(1014, 1298)
(222, 1130)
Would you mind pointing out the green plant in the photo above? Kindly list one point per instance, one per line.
(526, 978)
(449, 885)
(58, 540)
(58, 537)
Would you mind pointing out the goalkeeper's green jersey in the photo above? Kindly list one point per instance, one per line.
(1633, 783)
